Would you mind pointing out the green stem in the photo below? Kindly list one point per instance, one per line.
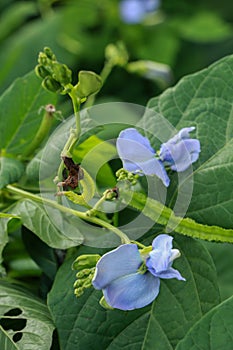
(43, 130)
(165, 216)
(108, 66)
(81, 215)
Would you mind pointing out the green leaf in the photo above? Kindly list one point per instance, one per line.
(214, 331)
(11, 171)
(49, 224)
(202, 27)
(6, 342)
(37, 328)
(94, 154)
(14, 16)
(158, 326)
(3, 236)
(19, 113)
(204, 100)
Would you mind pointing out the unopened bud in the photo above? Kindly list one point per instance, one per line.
(52, 85)
(41, 72)
(62, 73)
(83, 262)
(49, 53)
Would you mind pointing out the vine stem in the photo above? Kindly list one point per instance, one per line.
(81, 215)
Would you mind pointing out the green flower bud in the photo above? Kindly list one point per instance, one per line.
(42, 59)
(89, 83)
(85, 261)
(41, 72)
(49, 53)
(78, 292)
(52, 85)
(61, 73)
(117, 54)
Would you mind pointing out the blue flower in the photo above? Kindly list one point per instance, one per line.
(180, 151)
(134, 11)
(130, 280)
(138, 156)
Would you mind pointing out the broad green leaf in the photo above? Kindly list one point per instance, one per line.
(11, 171)
(160, 325)
(3, 236)
(49, 224)
(214, 331)
(202, 27)
(204, 100)
(14, 16)
(19, 113)
(41, 253)
(94, 154)
(6, 342)
(38, 330)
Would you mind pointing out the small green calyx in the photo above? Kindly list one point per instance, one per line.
(85, 261)
(142, 269)
(104, 304)
(88, 83)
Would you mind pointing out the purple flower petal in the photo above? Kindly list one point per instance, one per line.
(124, 260)
(132, 291)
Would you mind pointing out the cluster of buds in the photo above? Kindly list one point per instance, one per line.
(85, 264)
(56, 76)
(125, 175)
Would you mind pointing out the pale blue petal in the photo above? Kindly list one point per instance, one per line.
(132, 11)
(171, 273)
(132, 291)
(138, 156)
(133, 135)
(159, 257)
(119, 262)
(181, 155)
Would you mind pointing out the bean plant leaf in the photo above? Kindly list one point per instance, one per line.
(86, 324)
(214, 331)
(19, 113)
(10, 171)
(6, 342)
(203, 100)
(49, 224)
(35, 326)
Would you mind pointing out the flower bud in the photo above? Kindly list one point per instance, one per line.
(52, 85)
(85, 261)
(49, 53)
(41, 72)
(61, 73)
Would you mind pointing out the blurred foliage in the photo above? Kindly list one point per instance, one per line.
(184, 35)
